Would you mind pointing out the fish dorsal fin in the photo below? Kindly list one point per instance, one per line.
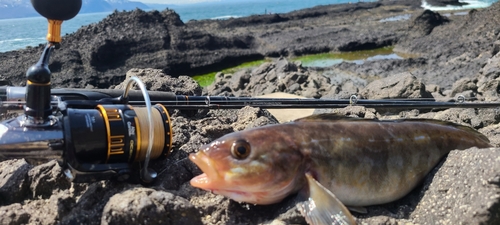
(332, 117)
(451, 124)
(328, 117)
(322, 207)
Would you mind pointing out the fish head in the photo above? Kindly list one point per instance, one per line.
(256, 166)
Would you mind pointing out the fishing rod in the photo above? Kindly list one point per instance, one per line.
(113, 134)
(13, 98)
(102, 134)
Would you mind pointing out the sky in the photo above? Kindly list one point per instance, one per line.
(174, 1)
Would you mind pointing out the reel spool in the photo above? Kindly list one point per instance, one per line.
(117, 134)
(106, 139)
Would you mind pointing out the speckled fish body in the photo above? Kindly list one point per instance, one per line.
(368, 162)
(361, 162)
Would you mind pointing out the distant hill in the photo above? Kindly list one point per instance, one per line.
(22, 8)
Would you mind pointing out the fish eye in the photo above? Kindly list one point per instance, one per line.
(240, 149)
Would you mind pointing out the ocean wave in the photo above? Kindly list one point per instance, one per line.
(22, 39)
(225, 17)
(471, 5)
(19, 43)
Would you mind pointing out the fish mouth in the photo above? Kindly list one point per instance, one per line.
(210, 179)
(214, 181)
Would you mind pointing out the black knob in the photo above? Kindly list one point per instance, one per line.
(57, 9)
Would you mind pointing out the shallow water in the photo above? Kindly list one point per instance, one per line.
(457, 13)
(471, 4)
(358, 57)
(207, 79)
(396, 18)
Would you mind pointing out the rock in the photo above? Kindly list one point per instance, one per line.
(156, 80)
(477, 118)
(135, 39)
(249, 117)
(493, 133)
(239, 80)
(51, 199)
(399, 86)
(278, 76)
(100, 54)
(462, 191)
(14, 214)
(13, 180)
(40, 211)
(149, 206)
(464, 84)
(489, 77)
(46, 178)
(424, 23)
(446, 3)
(490, 90)
(351, 111)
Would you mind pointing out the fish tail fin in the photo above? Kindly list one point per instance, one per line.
(322, 207)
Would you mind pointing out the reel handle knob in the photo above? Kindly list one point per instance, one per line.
(57, 9)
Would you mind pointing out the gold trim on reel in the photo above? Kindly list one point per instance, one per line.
(127, 132)
(162, 143)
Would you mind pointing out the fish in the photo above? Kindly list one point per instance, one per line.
(335, 163)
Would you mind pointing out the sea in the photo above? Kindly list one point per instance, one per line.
(20, 33)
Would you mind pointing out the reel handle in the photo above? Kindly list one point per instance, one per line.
(57, 9)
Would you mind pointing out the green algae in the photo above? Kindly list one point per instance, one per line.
(315, 60)
(207, 79)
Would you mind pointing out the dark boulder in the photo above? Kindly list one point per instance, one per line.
(424, 23)
(446, 2)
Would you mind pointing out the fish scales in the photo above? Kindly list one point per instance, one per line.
(333, 161)
(367, 162)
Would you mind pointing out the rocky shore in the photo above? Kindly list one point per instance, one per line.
(451, 55)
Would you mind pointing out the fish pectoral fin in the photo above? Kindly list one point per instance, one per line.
(358, 209)
(322, 207)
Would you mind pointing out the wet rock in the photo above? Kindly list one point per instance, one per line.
(149, 206)
(403, 85)
(13, 180)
